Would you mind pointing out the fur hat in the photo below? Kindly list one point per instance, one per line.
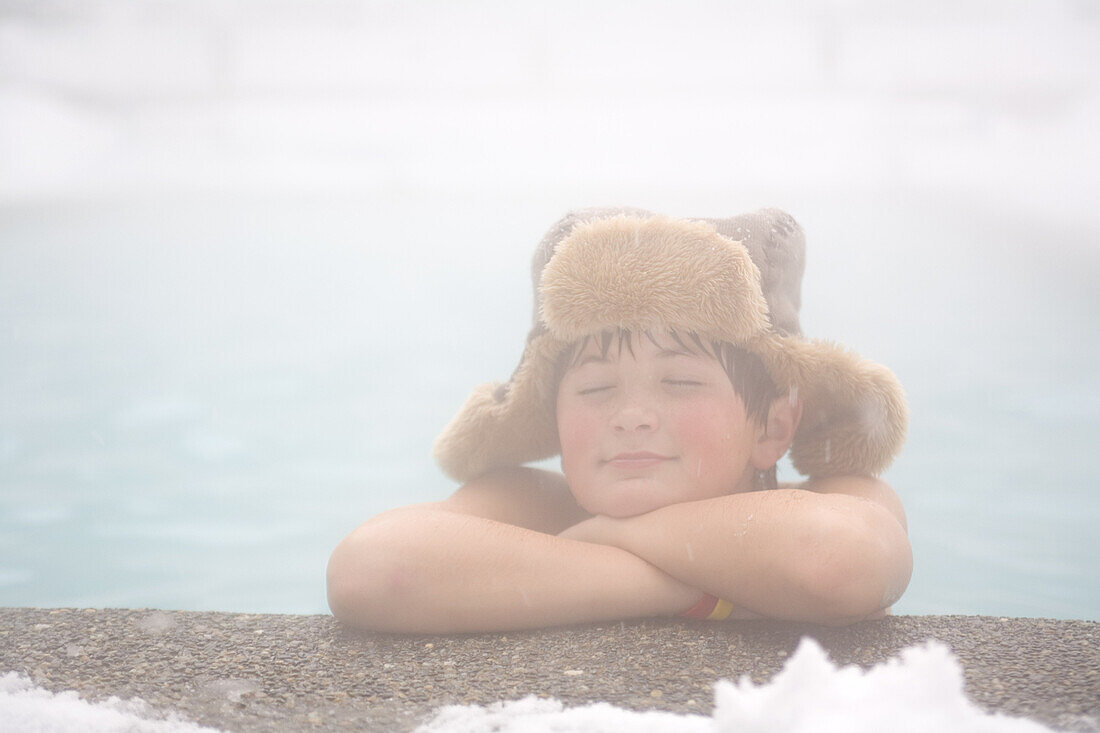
(736, 280)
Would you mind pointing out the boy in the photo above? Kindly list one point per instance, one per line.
(667, 366)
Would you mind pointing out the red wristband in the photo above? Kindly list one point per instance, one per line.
(702, 609)
(709, 608)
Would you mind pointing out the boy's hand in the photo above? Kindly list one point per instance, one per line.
(604, 530)
(487, 560)
(835, 553)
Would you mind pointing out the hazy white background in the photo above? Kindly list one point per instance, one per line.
(253, 256)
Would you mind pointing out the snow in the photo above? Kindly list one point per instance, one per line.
(920, 690)
(25, 708)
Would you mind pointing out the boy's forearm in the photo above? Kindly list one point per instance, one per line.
(437, 571)
(786, 554)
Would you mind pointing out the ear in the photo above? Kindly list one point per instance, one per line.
(774, 437)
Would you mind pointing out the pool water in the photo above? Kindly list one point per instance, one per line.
(199, 398)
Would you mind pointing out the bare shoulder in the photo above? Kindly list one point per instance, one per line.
(865, 487)
(526, 497)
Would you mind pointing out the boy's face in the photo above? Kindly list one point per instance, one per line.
(645, 430)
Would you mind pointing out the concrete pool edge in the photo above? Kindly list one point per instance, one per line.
(247, 672)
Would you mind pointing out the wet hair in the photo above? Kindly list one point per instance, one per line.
(746, 371)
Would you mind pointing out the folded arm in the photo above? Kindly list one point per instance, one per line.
(488, 559)
(833, 551)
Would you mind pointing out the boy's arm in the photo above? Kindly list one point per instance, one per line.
(834, 551)
(487, 559)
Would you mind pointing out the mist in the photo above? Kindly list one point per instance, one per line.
(254, 256)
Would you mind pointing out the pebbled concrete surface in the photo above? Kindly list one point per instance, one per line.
(242, 672)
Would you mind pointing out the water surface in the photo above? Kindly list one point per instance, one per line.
(200, 397)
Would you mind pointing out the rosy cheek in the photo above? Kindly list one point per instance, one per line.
(699, 430)
(706, 437)
(570, 429)
(576, 432)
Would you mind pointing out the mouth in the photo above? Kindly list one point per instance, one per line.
(638, 459)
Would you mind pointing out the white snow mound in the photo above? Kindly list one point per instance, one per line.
(25, 708)
(921, 690)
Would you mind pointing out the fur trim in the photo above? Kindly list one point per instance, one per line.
(854, 414)
(505, 424)
(650, 275)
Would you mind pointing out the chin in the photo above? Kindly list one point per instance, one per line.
(627, 505)
(623, 513)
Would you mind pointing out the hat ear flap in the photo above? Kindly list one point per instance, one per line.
(855, 418)
(505, 423)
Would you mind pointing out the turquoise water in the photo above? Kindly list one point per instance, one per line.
(198, 399)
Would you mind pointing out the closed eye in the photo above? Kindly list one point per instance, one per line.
(594, 390)
(683, 383)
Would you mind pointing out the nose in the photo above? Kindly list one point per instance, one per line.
(633, 416)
